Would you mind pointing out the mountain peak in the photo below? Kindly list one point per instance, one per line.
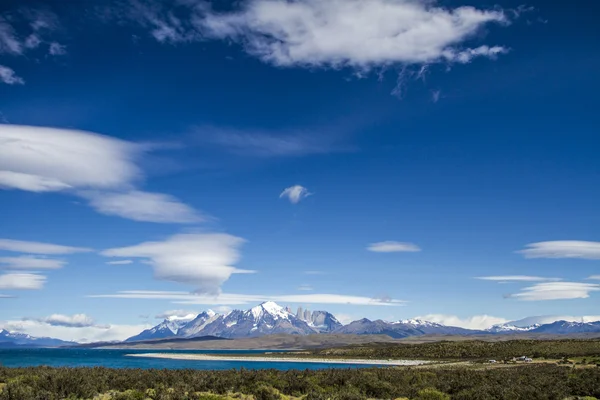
(271, 308)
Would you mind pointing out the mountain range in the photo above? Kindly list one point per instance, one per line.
(270, 318)
(15, 339)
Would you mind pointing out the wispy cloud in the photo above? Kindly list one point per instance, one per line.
(22, 281)
(143, 206)
(475, 322)
(284, 143)
(203, 260)
(556, 291)
(315, 272)
(9, 76)
(393, 247)
(594, 277)
(235, 299)
(306, 288)
(20, 246)
(295, 193)
(31, 263)
(23, 31)
(120, 262)
(563, 249)
(57, 49)
(98, 168)
(517, 278)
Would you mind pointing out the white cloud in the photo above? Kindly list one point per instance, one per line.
(9, 76)
(295, 193)
(203, 260)
(73, 321)
(595, 277)
(6, 296)
(50, 159)
(306, 288)
(517, 278)
(94, 333)
(556, 291)
(176, 314)
(357, 33)
(120, 262)
(315, 272)
(29, 262)
(393, 247)
(563, 249)
(99, 168)
(21, 281)
(57, 49)
(474, 322)
(143, 206)
(234, 299)
(20, 246)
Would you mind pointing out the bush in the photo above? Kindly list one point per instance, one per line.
(432, 394)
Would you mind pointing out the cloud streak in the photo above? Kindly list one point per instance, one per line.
(556, 291)
(393, 247)
(21, 281)
(28, 262)
(563, 249)
(235, 299)
(20, 246)
(517, 278)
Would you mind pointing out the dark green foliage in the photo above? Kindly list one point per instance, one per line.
(520, 382)
(470, 349)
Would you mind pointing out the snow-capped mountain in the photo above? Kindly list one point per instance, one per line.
(196, 325)
(510, 328)
(265, 319)
(270, 318)
(168, 328)
(323, 322)
(566, 327)
(401, 329)
(15, 339)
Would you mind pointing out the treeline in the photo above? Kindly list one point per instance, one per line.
(525, 382)
(471, 349)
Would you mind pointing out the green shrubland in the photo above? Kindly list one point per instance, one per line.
(521, 382)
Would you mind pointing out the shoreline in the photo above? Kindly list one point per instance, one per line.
(205, 357)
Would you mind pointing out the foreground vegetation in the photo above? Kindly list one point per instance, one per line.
(468, 350)
(523, 382)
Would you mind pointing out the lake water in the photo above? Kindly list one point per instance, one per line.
(118, 359)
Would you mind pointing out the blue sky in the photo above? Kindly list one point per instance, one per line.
(167, 133)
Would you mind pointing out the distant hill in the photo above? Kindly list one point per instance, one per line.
(22, 340)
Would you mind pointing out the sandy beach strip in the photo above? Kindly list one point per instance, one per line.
(206, 357)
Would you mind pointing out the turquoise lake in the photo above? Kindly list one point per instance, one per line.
(118, 359)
